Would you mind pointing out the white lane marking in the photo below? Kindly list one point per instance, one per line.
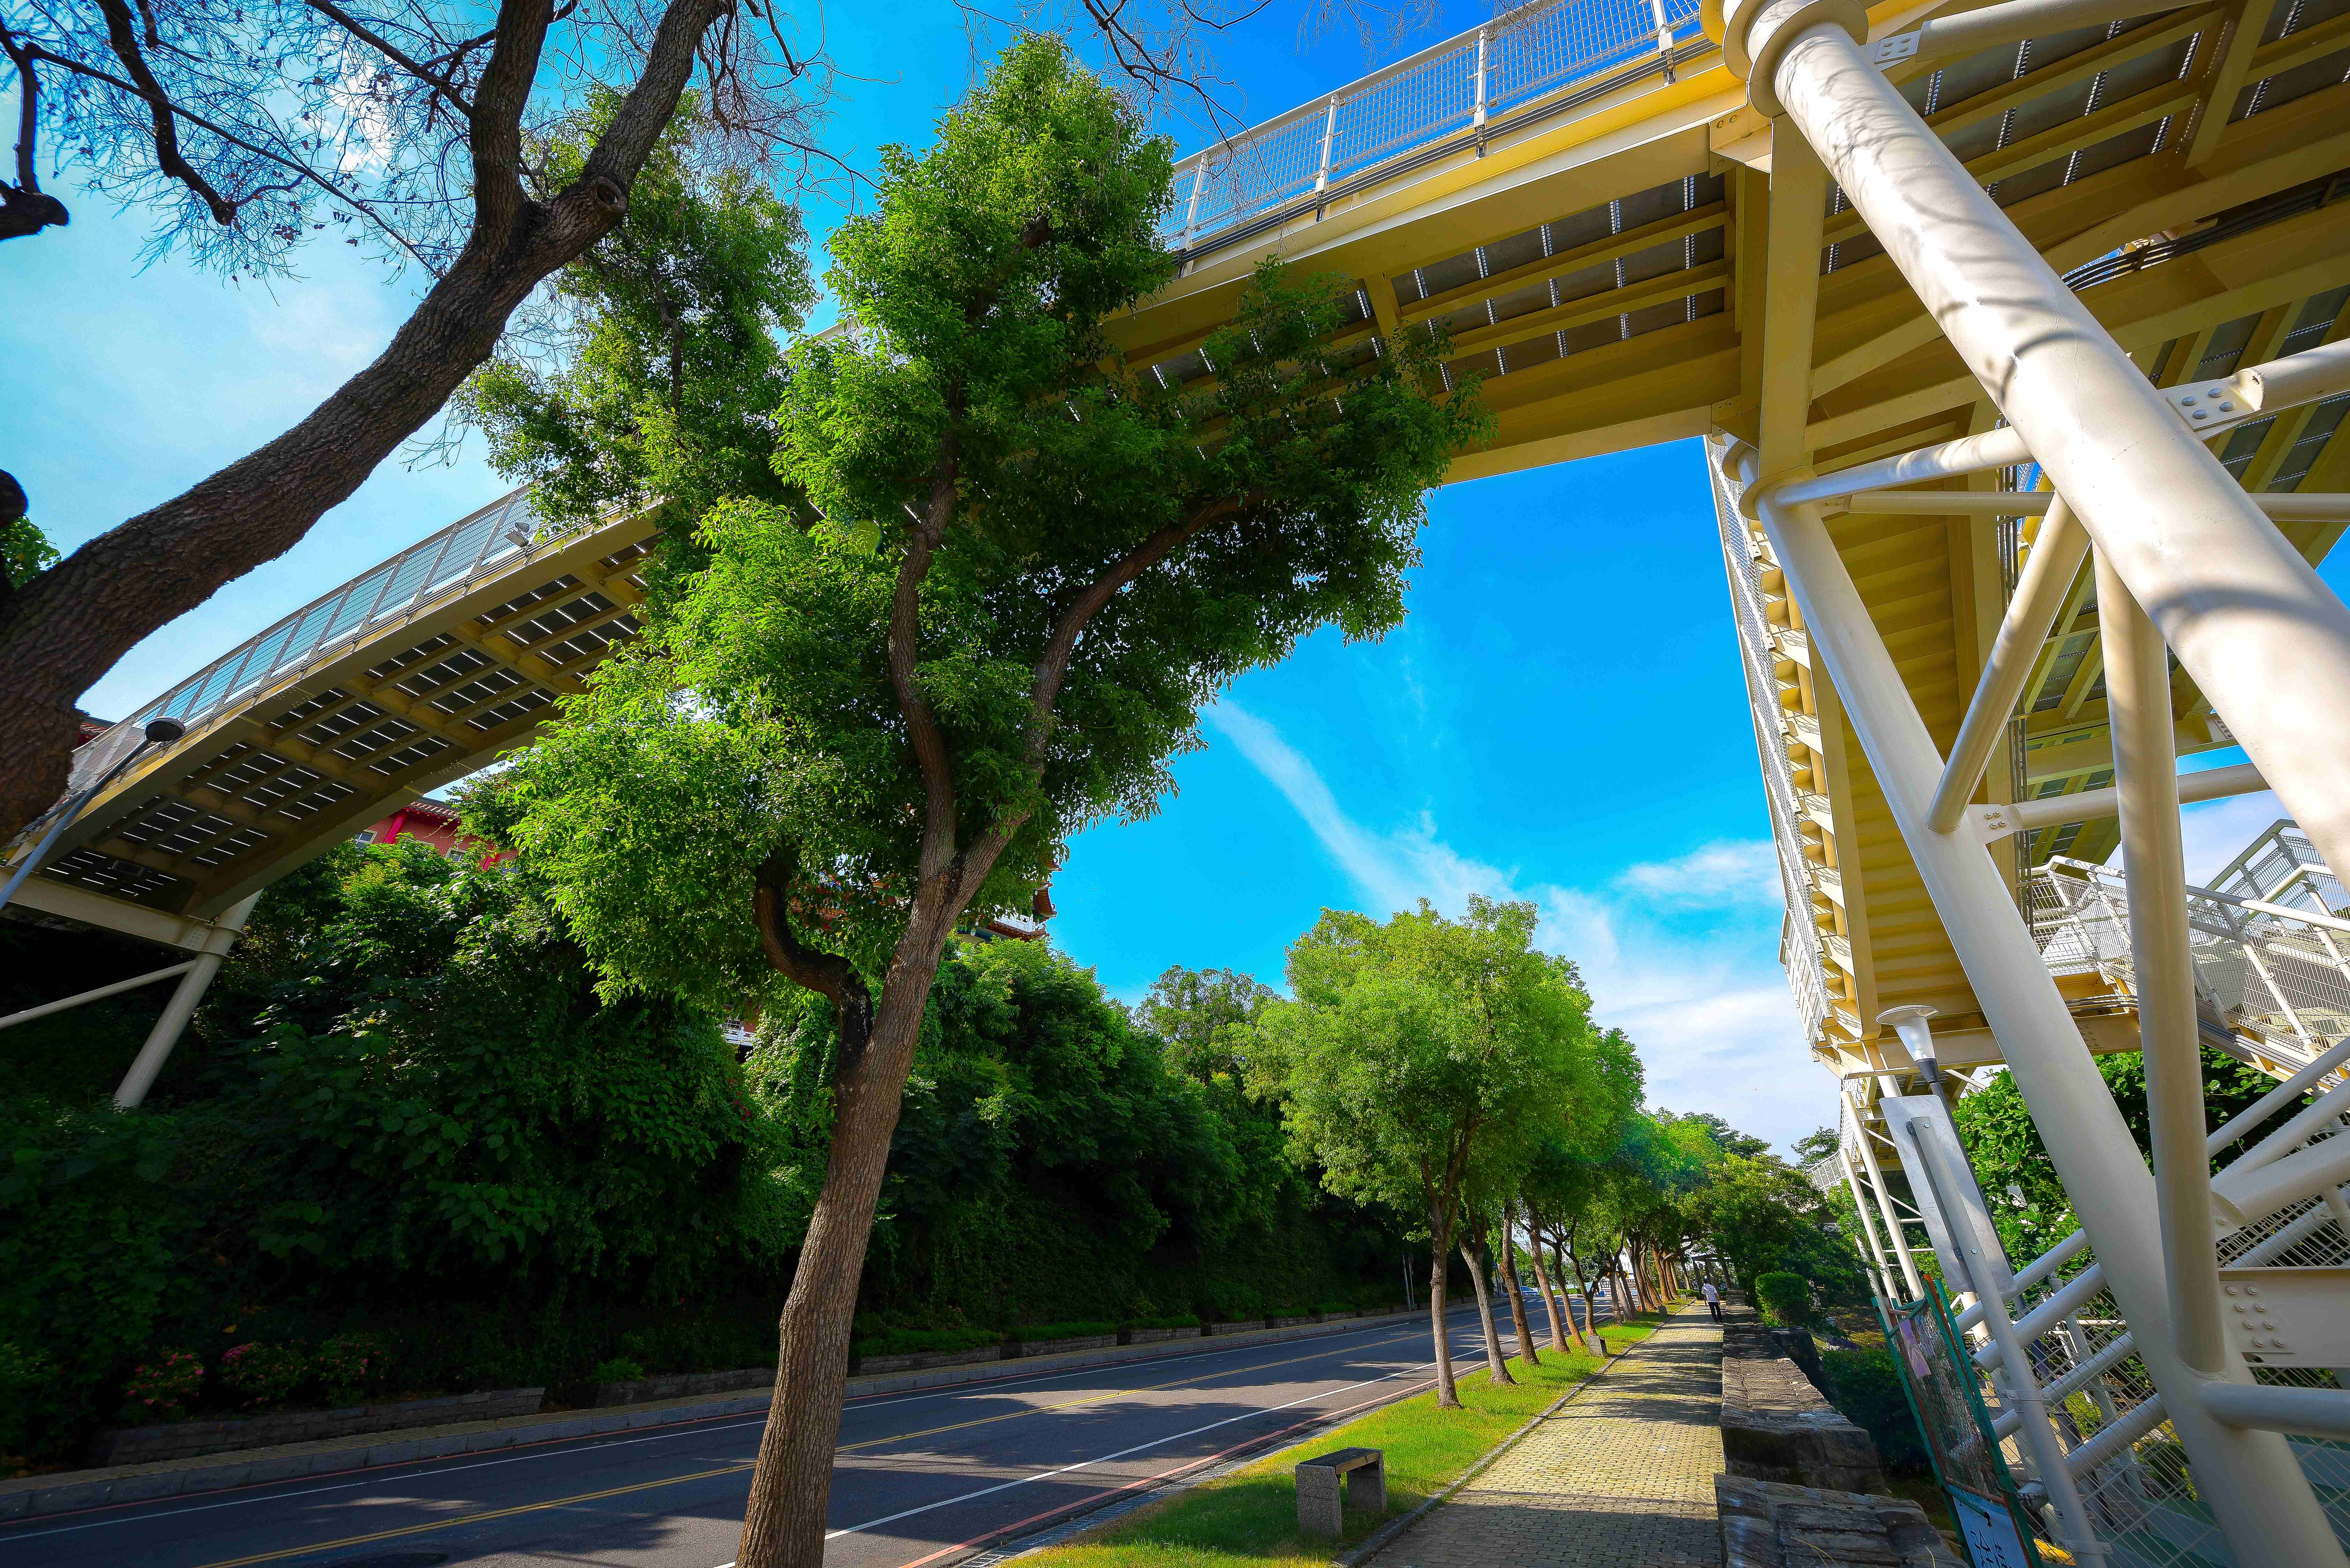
(695, 1429)
(1105, 1459)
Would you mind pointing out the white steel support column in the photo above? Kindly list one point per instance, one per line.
(1909, 1275)
(1883, 1269)
(2146, 777)
(2265, 640)
(1941, 1163)
(2250, 1479)
(157, 1051)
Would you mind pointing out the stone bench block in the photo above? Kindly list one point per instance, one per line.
(1320, 1509)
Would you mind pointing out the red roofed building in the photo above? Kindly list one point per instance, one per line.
(436, 825)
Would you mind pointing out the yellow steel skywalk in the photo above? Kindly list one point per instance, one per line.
(418, 671)
(1627, 252)
(1604, 253)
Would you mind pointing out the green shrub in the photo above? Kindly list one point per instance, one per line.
(163, 1389)
(618, 1369)
(1334, 1309)
(348, 1366)
(25, 1397)
(1865, 1386)
(924, 1341)
(263, 1374)
(1784, 1299)
(1183, 1320)
(1036, 1332)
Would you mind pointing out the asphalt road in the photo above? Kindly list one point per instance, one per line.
(921, 1480)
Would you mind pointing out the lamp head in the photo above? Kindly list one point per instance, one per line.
(1909, 1023)
(164, 732)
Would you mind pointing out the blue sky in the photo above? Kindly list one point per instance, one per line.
(1560, 720)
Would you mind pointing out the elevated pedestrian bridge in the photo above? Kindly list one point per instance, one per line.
(1885, 264)
(1601, 229)
(414, 673)
(1855, 252)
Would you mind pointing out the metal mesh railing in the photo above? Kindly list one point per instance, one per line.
(2279, 983)
(1975, 1469)
(1452, 86)
(1803, 955)
(439, 565)
(2282, 865)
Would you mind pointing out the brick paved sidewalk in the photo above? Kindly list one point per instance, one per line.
(1621, 1476)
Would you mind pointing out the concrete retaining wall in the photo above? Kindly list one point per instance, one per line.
(191, 1440)
(1775, 1427)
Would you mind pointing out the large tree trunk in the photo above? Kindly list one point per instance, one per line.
(1550, 1302)
(1526, 1351)
(67, 627)
(1494, 1364)
(784, 1522)
(1439, 1232)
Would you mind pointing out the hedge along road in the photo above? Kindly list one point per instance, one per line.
(921, 1478)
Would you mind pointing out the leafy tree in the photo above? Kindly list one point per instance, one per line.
(1725, 1137)
(251, 129)
(2028, 1206)
(1414, 1050)
(404, 1086)
(655, 371)
(1049, 1164)
(1202, 1016)
(25, 550)
(1567, 1179)
(1027, 565)
(1816, 1145)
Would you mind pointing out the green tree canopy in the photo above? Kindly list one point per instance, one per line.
(654, 373)
(1016, 567)
(1202, 1015)
(1414, 1052)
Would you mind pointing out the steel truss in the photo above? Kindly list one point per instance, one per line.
(2189, 564)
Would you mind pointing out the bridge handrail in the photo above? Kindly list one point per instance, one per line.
(447, 560)
(1460, 83)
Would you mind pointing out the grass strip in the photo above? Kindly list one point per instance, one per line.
(1249, 1516)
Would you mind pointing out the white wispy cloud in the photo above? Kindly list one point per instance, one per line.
(1677, 953)
(2214, 832)
(1723, 874)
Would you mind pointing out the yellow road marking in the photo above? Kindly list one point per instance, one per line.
(471, 1518)
(723, 1470)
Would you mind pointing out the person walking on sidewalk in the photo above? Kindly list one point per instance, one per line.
(1712, 1300)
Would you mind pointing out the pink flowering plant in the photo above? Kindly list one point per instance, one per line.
(262, 1373)
(164, 1388)
(349, 1365)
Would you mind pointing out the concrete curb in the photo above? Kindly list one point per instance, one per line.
(1378, 1540)
(74, 1491)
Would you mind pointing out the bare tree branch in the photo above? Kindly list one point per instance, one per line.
(23, 208)
(167, 134)
(922, 728)
(442, 85)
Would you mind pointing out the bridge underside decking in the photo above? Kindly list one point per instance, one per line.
(1606, 260)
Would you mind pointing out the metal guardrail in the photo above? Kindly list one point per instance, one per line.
(1466, 83)
(2280, 983)
(445, 562)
